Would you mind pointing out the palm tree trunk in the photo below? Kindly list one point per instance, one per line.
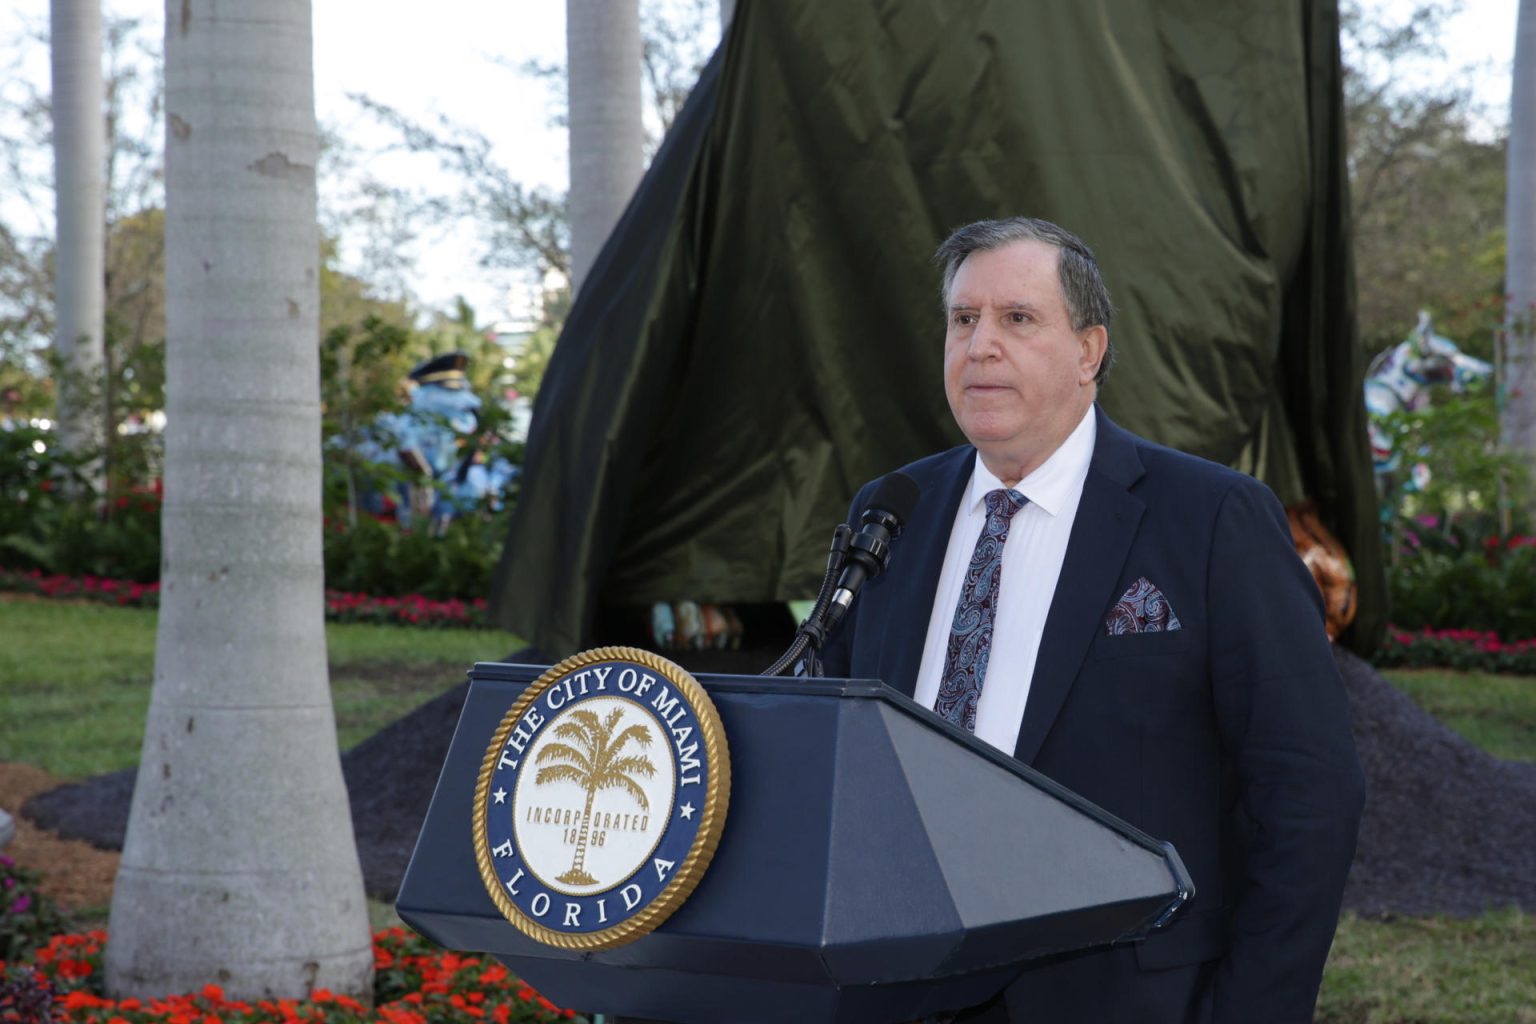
(578, 873)
(606, 134)
(239, 865)
(1518, 418)
(79, 154)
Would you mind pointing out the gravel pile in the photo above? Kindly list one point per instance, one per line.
(1447, 828)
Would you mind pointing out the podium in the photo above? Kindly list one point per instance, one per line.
(877, 864)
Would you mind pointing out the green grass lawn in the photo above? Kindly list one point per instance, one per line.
(1422, 969)
(1496, 713)
(75, 679)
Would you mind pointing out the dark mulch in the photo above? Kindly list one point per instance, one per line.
(1447, 828)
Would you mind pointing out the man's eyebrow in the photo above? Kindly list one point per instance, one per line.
(1026, 307)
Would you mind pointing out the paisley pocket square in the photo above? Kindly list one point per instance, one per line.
(1141, 609)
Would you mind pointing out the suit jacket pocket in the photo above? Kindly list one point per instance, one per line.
(1190, 941)
(1140, 645)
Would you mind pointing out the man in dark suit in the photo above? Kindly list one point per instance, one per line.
(1134, 623)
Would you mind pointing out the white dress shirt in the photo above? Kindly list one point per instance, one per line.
(1032, 557)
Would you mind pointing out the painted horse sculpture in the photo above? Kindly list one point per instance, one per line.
(1400, 380)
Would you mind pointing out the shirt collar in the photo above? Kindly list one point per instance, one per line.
(1054, 481)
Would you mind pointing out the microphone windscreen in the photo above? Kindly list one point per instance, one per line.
(896, 494)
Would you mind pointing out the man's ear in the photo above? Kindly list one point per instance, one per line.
(1095, 342)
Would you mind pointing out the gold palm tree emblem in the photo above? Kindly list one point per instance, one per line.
(594, 760)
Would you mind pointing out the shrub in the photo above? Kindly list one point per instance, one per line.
(61, 543)
(1489, 587)
(1457, 648)
(379, 558)
(27, 917)
(1456, 438)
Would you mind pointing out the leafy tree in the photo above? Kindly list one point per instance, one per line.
(26, 390)
(1426, 190)
(533, 358)
(527, 228)
(675, 45)
(523, 226)
(122, 387)
(1455, 437)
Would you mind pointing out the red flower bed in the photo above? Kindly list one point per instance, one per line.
(414, 983)
(340, 606)
(410, 610)
(1457, 648)
(91, 588)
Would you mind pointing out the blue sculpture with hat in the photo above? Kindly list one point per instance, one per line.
(438, 442)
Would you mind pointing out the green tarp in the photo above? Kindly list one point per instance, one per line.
(763, 331)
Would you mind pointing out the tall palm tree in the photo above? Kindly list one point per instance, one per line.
(606, 139)
(79, 159)
(239, 865)
(596, 762)
(1519, 415)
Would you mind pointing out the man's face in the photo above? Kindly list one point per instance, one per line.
(1017, 376)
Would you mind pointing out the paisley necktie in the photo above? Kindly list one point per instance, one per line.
(970, 635)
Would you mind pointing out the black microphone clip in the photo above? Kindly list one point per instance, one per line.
(869, 552)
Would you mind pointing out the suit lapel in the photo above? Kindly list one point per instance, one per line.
(1107, 518)
(908, 595)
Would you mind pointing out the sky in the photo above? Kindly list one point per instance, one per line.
(459, 58)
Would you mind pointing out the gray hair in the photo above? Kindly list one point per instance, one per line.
(1087, 298)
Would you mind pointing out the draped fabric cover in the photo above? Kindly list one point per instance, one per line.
(763, 331)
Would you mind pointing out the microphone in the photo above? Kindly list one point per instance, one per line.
(869, 551)
(861, 556)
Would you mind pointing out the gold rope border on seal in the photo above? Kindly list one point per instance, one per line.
(717, 799)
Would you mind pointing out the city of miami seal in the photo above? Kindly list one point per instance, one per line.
(601, 799)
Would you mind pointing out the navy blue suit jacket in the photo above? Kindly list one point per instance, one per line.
(1228, 737)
